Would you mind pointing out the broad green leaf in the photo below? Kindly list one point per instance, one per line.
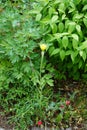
(80, 64)
(67, 24)
(71, 10)
(68, 52)
(84, 8)
(54, 28)
(74, 43)
(45, 20)
(38, 17)
(73, 55)
(78, 16)
(75, 36)
(85, 21)
(83, 55)
(59, 41)
(65, 41)
(59, 35)
(34, 12)
(51, 11)
(78, 28)
(64, 17)
(61, 27)
(50, 82)
(56, 51)
(62, 54)
(71, 27)
(83, 45)
(50, 38)
(51, 49)
(61, 8)
(54, 19)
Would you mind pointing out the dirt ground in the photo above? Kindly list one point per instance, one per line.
(4, 123)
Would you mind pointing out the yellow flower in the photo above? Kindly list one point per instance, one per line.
(43, 47)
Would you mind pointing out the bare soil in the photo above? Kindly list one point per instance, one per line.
(4, 123)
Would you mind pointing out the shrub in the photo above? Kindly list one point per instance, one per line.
(62, 24)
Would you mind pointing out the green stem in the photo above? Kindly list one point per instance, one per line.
(41, 87)
(41, 64)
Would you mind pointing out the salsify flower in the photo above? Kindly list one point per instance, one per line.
(39, 123)
(43, 47)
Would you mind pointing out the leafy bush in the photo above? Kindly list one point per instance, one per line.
(62, 24)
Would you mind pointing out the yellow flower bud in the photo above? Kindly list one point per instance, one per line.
(43, 47)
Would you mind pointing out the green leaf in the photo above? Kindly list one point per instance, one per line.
(54, 19)
(45, 20)
(64, 17)
(61, 27)
(62, 54)
(83, 45)
(38, 17)
(74, 43)
(85, 21)
(75, 36)
(51, 11)
(59, 35)
(71, 27)
(50, 82)
(59, 41)
(84, 8)
(77, 16)
(65, 41)
(56, 51)
(68, 52)
(33, 11)
(51, 49)
(78, 28)
(80, 64)
(73, 55)
(61, 8)
(54, 28)
(83, 55)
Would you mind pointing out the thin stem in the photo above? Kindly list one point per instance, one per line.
(41, 64)
(41, 67)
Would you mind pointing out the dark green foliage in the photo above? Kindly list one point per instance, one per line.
(62, 24)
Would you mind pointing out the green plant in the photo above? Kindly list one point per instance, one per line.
(63, 26)
(32, 108)
(20, 70)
